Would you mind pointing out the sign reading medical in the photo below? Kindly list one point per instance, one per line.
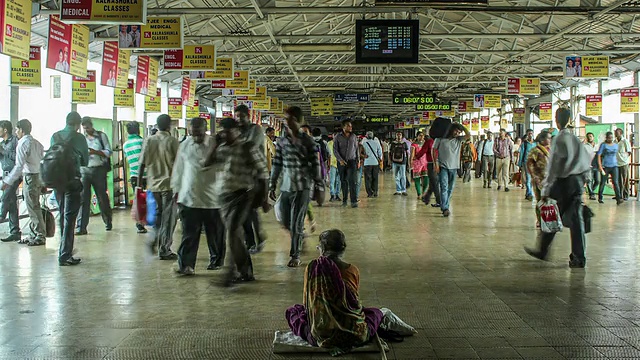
(68, 47)
(15, 28)
(586, 66)
(351, 97)
(158, 33)
(175, 107)
(223, 71)
(434, 107)
(487, 101)
(629, 100)
(191, 57)
(83, 90)
(104, 11)
(518, 115)
(378, 119)
(153, 103)
(412, 99)
(27, 72)
(523, 86)
(322, 106)
(545, 111)
(115, 66)
(125, 97)
(594, 105)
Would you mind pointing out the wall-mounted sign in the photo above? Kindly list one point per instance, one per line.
(175, 107)
(115, 66)
(629, 100)
(153, 103)
(523, 86)
(434, 107)
(594, 105)
(27, 72)
(223, 71)
(125, 97)
(484, 122)
(67, 47)
(15, 28)
(158, 33)
(191, 57)
(545, 113)
(586, 66)
(487, 101)
(240, 81)
(104, 11)
(518, 115)
(351, 97)
(83, 90)
(322, 106)
(412, 99)
(378, 119)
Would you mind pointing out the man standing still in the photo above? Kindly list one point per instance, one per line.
(159, 154)
(503, 150)
(527, 145)
(624, 157)
(69, 198)
(488, 160)
(372, 162)
(94, 175)
(10, 194)
(194, 186)
(132, 149)
(592, 184)
(28, 156)
(346, 151)
(569, 164)
(334, 177)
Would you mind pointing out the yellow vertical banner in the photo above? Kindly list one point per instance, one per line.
(518, 115)
(629, 100)
(475, 124)
(125, 97)
(545, 113)
(175, 108)
(152, 103)
(27, 72)
(193, 111)
(83, 90)
(152, 85)
(15, 28)
(484, 122)
(594, 105)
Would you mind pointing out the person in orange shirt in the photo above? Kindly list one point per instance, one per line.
(468, 157)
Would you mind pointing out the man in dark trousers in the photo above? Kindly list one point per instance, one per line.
(569, 165)
(10, 194)
(346, 151)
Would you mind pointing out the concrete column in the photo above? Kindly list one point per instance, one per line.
(14, 104)
(600, 92)
(74, 107)
(635, 173)
(145, 121)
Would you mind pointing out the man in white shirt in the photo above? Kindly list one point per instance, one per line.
(194, 186)
(124, 38)
(568, 167)
(488, 160)
(135, 36)
(29, 153)
(592, 184)
(624, 156)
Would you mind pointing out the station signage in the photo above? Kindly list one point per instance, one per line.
(191, 57)
(487, 101)
(434, 107)
(545, 113)
(593, 67)
(351, 97)
(223, 71)
(83, 89)
(322, 106)
(67, 47)
(518, 115)
(159, 33)
(378, 119)
(125, 97)
(27, 72)
(629, 100)
(594, 105)
(175, 107)
(115, 66)
(104, 11)
(15, 26)
(523, 86)
(152, 103)
(240, 81)
(413, 99)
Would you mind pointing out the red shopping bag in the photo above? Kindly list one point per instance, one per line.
(550, 220)
(139, 207)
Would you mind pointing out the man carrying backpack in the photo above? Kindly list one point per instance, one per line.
(398, 155)
(60, 170)
(94, 175)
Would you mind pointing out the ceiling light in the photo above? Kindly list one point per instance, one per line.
(626, 45)
(316, 47)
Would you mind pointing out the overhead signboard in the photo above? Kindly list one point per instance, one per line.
(523, 86)
(27, 72)
(412, 99)
(518, 115)
(251, 91)
(83, 90)
(629, 100)
(322, 106)
(378, 119)
(594, 105)
(487, 101)
(586, 67)
(15, 28)
(188, 91)
(67, 47)
(146, 75)
(263, 105)
(351, 97)
(104, 11)
(240, 81)
(159, 33)
(153, 103)
(545, 113)
(434, 107)
(484, 122)
(175, 107)
(387, 41)
(223, 71)
(115, 66)
(191, 57)
(193, 111)
(125, 97)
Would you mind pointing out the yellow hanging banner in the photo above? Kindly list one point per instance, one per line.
(594, 105)
(475, 124)
(158, 33)
(191, 57)
(484, 122)
(83, 90)
(322, 106)
(251, 91)
(545, 113)
(153, 103)
(193, 111)
(523, 86)
(240, 81)
(262, 104)
(629, 101)
(15, 28)
(104, 12)
(492, 101)
(27, 72)
(261, 94)
(175, 108)
(223, 71)
(125, 97)
(518, 116)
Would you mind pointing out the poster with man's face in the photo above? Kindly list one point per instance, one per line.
(478, 101)
(129, 36)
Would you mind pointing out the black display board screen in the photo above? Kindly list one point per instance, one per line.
(387, 41)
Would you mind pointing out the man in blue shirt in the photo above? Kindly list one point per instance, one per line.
(527, 145)
(373, 149)
(608, 165)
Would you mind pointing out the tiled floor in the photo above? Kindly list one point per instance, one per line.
(463, 281)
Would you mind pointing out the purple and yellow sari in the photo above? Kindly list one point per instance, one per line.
(331, 316)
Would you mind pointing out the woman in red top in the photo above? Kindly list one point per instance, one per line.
(434, 185)
(419, 166)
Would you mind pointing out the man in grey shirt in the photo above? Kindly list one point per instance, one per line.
(446, 157)
(346, 151)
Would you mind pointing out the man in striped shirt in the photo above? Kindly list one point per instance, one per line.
(132, 150)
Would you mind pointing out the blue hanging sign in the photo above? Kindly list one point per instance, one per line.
(351, 97)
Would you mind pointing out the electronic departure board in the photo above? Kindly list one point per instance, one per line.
(413, 99)
(378, 119)
(387, 41)
(433, 107)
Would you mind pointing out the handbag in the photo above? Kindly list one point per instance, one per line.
(49, 221)
(139, 207)
(152, 206)
(550, 219)
(587, 214)
(318, 193)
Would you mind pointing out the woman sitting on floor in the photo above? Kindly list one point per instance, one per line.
(331, 315)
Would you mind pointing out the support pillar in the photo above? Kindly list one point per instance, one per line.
(145, 124)
(600, 92)
(74, 107)
(14, 105)
(635, 141)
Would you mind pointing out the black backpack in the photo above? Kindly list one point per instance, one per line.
(398, 153)
(58, 166)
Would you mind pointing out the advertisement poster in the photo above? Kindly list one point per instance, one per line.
(484, 122)
(504, 123)
(125, 97)
(115, 66)
(466, 122)
(273, 104)
(475, 124)
(629, 100)
(223, 71)
(478, 101)
(15, 26)
(27, 72)
(523, 86)
(103, 12)
(193, 111)
(322, 106)
(492, 101)
(83, 90)
(191, 57)
(240, 81)
(586, 66)
(158, 33)
(546, 111)
(264, 105)
(153, 103)
(68, 47)
(518, 115)
(142, 75)
(594, 105)
(175, 108)
(261, 94)
(188, 92)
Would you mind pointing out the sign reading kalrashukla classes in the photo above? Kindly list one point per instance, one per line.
(27, 72)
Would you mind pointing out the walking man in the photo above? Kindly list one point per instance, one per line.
(28, 156)
(569, 165)
(503, 150)
(488, 160)
(623, 158)
(527, 145)
(608, 165)
(346, 151)
(446, 156)
(334, 177)
(373, 151)
(159, 154)
(10, 194)
(132, 151)
(592, 184)
(399, 159)
(94, 175)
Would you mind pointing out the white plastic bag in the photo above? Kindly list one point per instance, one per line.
(276, 209)
(392, 322)
(550, 219)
